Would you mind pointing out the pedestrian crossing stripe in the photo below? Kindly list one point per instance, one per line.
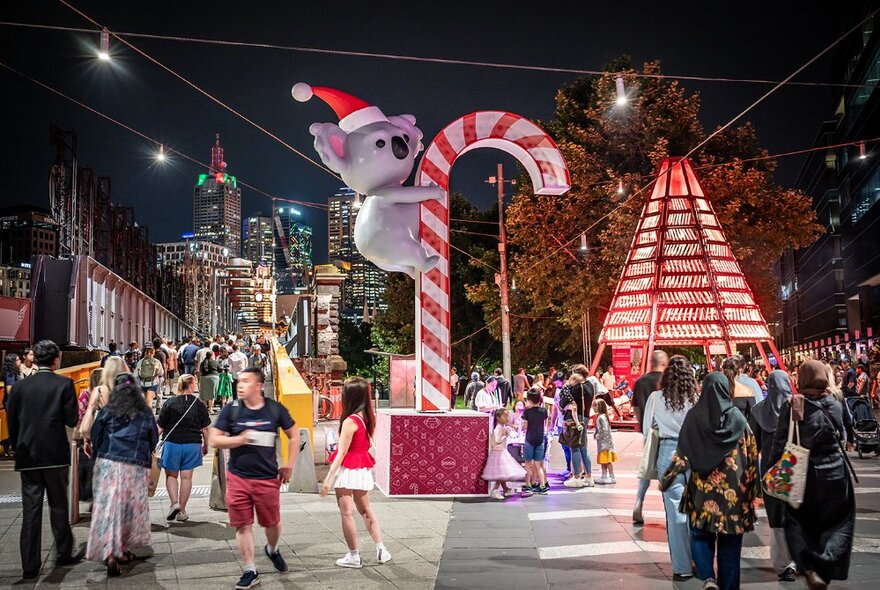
(861, 545)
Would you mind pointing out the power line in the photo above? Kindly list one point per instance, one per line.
(474, 233)
(474, 221)
(202, 91)
(474, 258)
(713, 134)
(472, 334)
(146, 137)
(427, 59)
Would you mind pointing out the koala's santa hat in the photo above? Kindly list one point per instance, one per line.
(353, 112)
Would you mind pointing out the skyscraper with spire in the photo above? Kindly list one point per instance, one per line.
(217, 205)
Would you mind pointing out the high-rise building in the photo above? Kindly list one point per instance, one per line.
(203, 267)
(830, 290)
(26, 232)
(217, 205)
(258, 240)
(365, 282)
(293, 251)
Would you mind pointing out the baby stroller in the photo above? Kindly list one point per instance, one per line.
(865, 427)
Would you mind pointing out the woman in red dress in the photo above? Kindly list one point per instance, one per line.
(351, 474)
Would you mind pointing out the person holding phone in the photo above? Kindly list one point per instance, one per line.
(248, 427)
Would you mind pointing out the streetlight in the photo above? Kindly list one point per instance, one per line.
(104, 51)
(621, 91)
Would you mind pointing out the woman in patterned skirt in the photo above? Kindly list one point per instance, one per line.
(123, 436)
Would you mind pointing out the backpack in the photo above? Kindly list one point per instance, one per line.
(148, 370)
(258, 360)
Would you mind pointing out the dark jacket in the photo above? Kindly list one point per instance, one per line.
(816, 433)
(38, 409)
(127, 441)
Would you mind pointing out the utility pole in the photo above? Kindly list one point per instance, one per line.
(501, 278)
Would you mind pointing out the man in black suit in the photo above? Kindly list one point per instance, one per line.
(39, 408)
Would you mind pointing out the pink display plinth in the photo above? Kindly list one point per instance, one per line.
(419, 454)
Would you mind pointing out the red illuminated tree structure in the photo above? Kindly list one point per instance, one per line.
(681, 284)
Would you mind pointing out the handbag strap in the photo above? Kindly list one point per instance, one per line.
(836, 436)
(165, 434)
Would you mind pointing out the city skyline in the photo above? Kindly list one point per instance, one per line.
(434, 93)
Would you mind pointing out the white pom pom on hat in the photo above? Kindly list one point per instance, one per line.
(301, 91)
(353, 112)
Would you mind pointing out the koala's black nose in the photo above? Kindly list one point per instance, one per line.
(399, 148)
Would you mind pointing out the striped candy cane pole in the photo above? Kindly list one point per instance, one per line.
(539, 155)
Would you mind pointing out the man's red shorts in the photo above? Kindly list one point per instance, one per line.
(245, 495)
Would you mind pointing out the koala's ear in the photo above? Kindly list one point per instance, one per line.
(330, 145)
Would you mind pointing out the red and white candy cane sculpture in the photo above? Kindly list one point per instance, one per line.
(538, 154)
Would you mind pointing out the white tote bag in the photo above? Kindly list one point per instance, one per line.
(787, 479)
(648, 464)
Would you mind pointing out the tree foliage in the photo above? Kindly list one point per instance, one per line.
(604, 143)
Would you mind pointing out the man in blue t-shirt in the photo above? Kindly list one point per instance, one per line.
(248, 427)
(188, 357)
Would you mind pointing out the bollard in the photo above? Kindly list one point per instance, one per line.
(73, 491)
(217, 501)
(304, 478)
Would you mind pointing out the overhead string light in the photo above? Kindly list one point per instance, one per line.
(621, 90)
(104, 50)
(584, 242)
(620, 189)
(161, 155)
(862, 153)
(427, 59)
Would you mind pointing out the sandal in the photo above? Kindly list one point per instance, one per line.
(113, 569)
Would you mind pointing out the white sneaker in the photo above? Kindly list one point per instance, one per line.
(610, 480)
(588, 482)
(497, 494)
(573, 482)
(602, 481)
(182, 516)
(382, 556)
(173, 511)
(349, 561)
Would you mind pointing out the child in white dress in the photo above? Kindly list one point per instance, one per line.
(501, 467)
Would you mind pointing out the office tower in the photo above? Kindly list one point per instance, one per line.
(217, 205)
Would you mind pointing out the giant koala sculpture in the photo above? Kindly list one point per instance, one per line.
(374, 155)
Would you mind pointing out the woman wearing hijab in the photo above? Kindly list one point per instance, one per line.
(819, 533)
(764, 421)
(720, 451)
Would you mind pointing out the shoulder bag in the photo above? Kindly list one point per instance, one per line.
(787, 479)
(160, 446)
(648, 464)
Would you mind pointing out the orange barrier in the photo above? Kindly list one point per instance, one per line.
(79, 374)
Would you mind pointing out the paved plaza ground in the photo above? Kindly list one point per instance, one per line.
(570, 538)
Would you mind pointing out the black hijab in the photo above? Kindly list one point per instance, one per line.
(713, 427)
(766, 411)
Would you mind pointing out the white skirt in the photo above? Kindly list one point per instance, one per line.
(354, 479)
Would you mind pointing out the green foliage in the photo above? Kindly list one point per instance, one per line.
(354, 339)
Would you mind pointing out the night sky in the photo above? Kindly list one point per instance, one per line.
(741, 39)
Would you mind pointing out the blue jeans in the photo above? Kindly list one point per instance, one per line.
(580, 460)
(729, 552)
(677, 528)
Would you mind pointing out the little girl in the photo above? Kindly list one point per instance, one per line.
(606, 456)
(501, 467)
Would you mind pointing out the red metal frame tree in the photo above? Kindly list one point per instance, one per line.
(681, 284)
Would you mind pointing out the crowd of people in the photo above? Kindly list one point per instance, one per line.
(711, 436)
(716, 435)
(121, 440)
